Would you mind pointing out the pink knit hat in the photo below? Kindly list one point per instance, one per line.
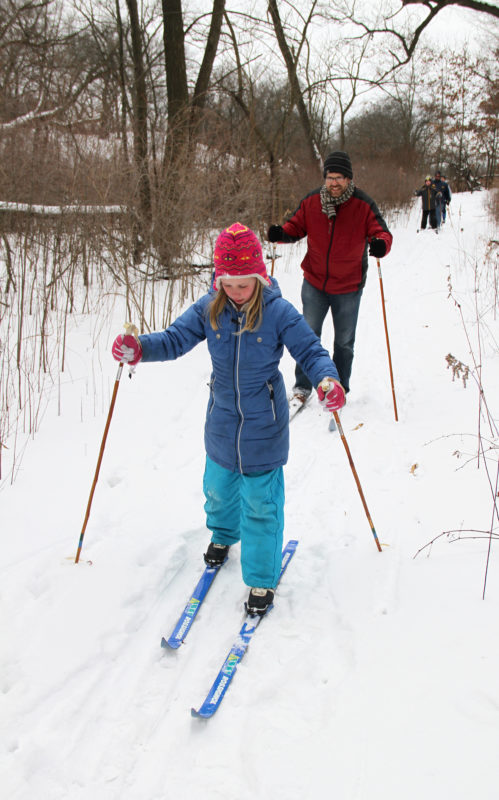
(238, 254)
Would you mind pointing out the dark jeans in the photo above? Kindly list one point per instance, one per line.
(345, 311)
(433, 218)
(438, 213)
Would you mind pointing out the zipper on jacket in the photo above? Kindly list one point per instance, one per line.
(272, 402)
(238, 392)
(333, 224)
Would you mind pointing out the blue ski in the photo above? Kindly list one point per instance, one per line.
(238, 649)
(188, 615)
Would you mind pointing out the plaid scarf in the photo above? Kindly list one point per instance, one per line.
(329, 203)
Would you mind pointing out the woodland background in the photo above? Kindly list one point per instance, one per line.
(131, 133)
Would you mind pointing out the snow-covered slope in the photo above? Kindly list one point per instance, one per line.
(374, 677)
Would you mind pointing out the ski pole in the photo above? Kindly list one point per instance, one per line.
(130, 329)
(273, 260)
(325, 388)
(274, 255)
(387, 339)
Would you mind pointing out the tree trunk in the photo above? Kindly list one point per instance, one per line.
(176, 72)
(140, 121)
(210, 51)
(294, 83)
(122, 80)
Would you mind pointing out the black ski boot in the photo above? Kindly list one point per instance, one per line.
(216, 554)
(259, 601)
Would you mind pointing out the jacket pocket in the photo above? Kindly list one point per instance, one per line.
(211, 404)
(272, 399)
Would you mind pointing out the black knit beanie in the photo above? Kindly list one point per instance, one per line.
(338, 162)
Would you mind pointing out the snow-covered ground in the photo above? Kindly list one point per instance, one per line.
(374, 677)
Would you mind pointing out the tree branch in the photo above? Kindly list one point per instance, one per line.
(291, 65)
(474, 5)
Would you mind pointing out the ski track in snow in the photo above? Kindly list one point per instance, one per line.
(373, 678)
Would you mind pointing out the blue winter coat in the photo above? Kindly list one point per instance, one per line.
(247, 419)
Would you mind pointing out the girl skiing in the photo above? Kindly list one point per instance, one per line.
(246, 323)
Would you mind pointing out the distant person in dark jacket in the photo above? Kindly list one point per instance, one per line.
(447, 200)
(428, 194)
(441, 186)
(246, 324)
(340, 222)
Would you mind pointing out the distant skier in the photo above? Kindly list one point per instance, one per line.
(246, 323)
(441, 186)
(428, 194)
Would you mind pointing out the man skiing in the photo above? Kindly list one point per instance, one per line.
(340, 222)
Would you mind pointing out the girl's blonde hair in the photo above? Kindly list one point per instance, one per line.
(254, 312)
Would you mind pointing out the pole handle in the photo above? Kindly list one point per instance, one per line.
(273, 259)
(131, 330)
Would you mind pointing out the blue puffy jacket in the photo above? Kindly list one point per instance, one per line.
(247, 419)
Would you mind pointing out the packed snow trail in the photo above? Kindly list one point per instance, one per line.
(381, 682)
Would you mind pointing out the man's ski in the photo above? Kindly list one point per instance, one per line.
(188, 615)
(238, 649)
(296, 406)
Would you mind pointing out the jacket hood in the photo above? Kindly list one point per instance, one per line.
(272, 291)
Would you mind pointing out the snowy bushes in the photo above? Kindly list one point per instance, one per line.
(477, 305)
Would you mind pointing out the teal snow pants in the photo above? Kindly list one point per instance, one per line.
(250, 509)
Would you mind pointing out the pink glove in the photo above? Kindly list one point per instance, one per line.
(127, 348)
(333, 398)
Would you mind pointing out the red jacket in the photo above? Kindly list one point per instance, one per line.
(336, 257)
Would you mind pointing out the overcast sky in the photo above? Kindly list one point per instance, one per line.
(456, 25)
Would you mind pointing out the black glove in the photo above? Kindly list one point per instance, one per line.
(275, 233)
(377, 248)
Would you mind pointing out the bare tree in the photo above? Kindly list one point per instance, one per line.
(291, 56)
(348, 80)
(183, 107)
(406, 38)
(39, 83)
(438, 5)
(140, 119)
